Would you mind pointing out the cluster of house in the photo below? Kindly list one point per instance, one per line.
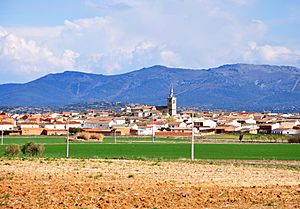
(148, 120)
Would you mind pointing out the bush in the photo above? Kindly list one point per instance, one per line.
(294, 139)
(33, 149)
(98, 137)
(12, 150)
(88, 136)
(74, 130)
(85, 136)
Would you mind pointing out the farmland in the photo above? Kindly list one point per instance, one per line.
(136, 173)
(133, 148)
(100, 183)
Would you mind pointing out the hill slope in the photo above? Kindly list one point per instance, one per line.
(252, 87)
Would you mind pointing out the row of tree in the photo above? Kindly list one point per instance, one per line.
(29, 149)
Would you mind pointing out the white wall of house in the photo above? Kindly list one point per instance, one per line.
(111, 123)
(290, 132)
(98, 124)
(60, 119)
(250, 126)
(180, 125)
(60, 126)
(210, 123)
(49, 126)
(91, 125)
(29, 125)
(75, 125)
(275, 126)
(235, 123)
(138, 114)
(285, 131)
(134, 126)
(54, 115)
(146, 131)
(119, 121)
(250, 121)
(6, 127)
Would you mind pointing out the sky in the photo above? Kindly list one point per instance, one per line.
(38, 37)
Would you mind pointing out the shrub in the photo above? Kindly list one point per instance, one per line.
(12, 150)
(241, 137)
(88, 136)
(294, 139)
(99, 137)
(33, 149)
(74, 130)
(85, 136)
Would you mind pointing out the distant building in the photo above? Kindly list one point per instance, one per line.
(172, 102)
(102, 123)
(6, 126)
(171, 107)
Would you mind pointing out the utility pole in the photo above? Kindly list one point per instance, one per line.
(115, 133)
(2, 141)
(153, 128)
(193, 139)
(68, 140)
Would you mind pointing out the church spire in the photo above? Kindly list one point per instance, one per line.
(171, 91)
(171, 102)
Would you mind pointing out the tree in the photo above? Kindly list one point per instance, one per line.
(294, 139)
(241, 137)
(74, 130)
(170, 119)
(33, 149)
(12, 150)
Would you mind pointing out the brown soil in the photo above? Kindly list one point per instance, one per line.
(42, 183)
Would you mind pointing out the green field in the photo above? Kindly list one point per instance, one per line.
(44, 140)
(55, 140)
(162, 149)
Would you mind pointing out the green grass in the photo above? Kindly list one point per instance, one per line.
(174, 151)
(221, 136)
(247, 137)
(55, 140)
(23, 140)
(144, 139)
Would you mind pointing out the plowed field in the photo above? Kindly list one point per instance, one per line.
(74, 183)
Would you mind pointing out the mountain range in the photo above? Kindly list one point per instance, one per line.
(235, 86)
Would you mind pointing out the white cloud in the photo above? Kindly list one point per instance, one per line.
(272, 54)
(170, 58)
(24, 58)
(132, 34)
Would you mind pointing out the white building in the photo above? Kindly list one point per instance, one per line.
(146, 130)
(5, 126)
(48, 125)
(177, 125)
(171, 101)
(60, 125)
(98, 123)
(74, 124)
(28, 125)
(119, 121)
(201, 122)
(285, 131)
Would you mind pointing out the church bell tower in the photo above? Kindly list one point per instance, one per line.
(172, 102)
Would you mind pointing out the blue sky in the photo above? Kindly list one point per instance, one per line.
(38, 37)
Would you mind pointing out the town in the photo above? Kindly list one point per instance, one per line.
(146, 120)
